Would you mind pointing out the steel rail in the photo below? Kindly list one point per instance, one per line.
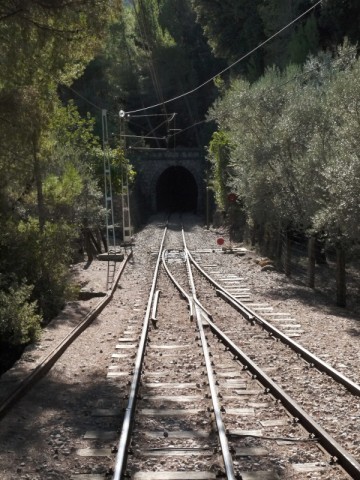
(178, 286)
(46, 364)
(303, 352)
(122, 451)
(154, 306)
(224, 444)
(339, 454)
(184, 294)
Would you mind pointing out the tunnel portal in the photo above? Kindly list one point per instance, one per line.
(176, 191)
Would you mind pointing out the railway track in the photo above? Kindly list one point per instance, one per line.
(186, 399)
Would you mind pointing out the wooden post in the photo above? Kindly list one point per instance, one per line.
(311, 262)
(340, 276)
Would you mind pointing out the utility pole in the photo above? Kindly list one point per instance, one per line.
(109, 205)
(125, 197)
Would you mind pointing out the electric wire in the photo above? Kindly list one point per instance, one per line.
(151, 115)
(189, 92)
(82, 97)
(235, 107)
(130, 112)
(154, 129)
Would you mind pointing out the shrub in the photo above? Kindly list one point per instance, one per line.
(19, 322)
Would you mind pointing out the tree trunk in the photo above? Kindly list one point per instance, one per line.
(260, 232)
(104, 240)
(311, 262)
(278, 247)
(89, 248)
(253, 236)
(39, 186)
(288, 255)
(340, 276)
(320, 256)
(97, 246)
(98, 238)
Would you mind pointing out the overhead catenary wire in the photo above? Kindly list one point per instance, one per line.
(195, 89)
(141, 136)
(151, 115)
(209, 79)
(131, 112)
(235, 107)
(84, 98)
(156, 128)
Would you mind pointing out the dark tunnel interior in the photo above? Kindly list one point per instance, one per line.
(176, 191)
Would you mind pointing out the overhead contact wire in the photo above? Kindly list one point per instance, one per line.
(189, 92)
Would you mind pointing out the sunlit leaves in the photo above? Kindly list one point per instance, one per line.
(19, 322)
(45, 41)
(295, 147)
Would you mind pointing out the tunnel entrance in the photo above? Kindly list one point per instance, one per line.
(176, 191)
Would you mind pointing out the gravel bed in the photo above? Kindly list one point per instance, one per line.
(40, 437)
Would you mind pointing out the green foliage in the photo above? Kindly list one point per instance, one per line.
(294, 146)
(120, 166)
(304, 41)
(19, 322)
(59, 37)
(235, 28)
(73, 159)
(145, 65)
(232, 28)
(219, 154)
(148, 26)
(64, 191)
(339, 214)
(48, 157)
(340, 19)
(39, 256)
(275, 14)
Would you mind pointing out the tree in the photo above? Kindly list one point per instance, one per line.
(144, 66)
(44, 176)
(219, 156)
(60, 37)
(339, 19)
(294, 150)
(304, 41)
(232, 29)
(295, 43)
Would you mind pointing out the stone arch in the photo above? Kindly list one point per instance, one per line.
(149, 167)
(176, 190)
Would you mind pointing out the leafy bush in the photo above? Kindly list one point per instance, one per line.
(19, 322)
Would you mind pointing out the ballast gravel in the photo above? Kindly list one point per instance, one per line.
(41, 434)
